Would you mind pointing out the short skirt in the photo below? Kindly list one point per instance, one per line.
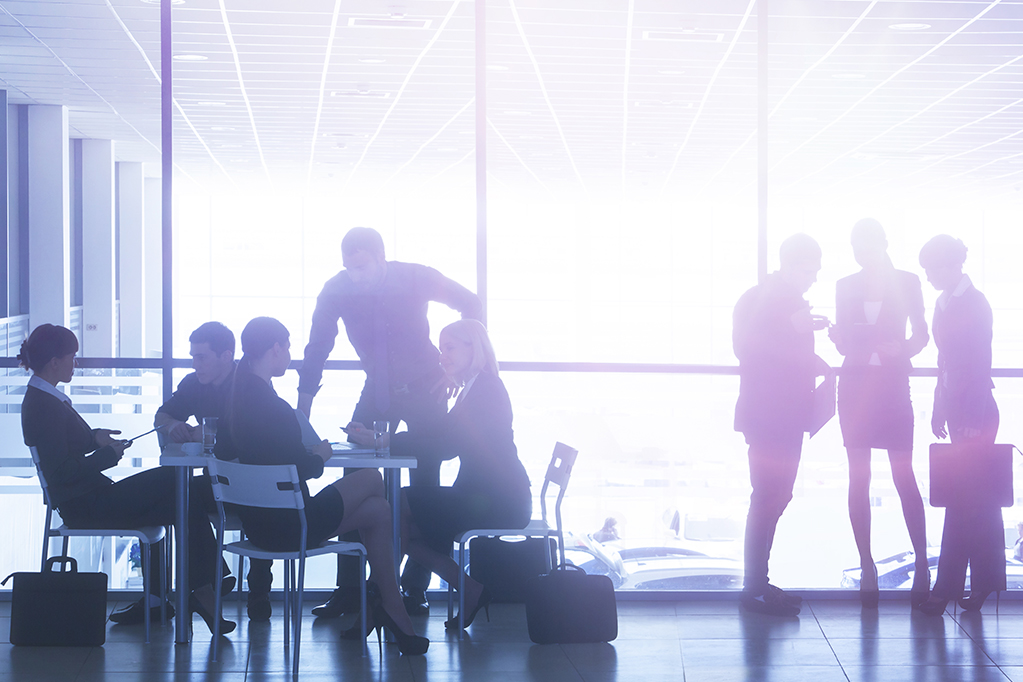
(277, 530)
(441, 513)
(874, 408)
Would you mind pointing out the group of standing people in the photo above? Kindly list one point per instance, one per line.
(773, 337)
(383, 306)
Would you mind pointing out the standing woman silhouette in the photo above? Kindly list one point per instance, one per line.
(874, 408)
(964, 411)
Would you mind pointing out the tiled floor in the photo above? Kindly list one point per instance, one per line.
(695, 641)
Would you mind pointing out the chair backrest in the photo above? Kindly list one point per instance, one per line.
(558, 473)
(254, 485)
(39, 474)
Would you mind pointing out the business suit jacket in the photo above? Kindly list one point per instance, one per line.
(776, 363)
(857, 340)
(962, 333)
(70, 458)
(477, 430)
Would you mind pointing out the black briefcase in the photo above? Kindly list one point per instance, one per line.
(507, 567)
(567, 606)
(59, 608)
(962, 473)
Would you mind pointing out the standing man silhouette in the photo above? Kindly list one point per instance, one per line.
(772, 336)
(383, 305)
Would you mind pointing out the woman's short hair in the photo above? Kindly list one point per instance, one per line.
(47, 341)
(475, 334)
(260, 335)
(943, 251)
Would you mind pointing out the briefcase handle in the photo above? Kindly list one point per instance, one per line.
(62, 560)
(566, 566)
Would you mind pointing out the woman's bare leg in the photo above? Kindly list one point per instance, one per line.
(367, 511)
(912, 504)
(859, 508)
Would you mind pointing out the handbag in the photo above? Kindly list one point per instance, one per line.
(58, 608)
(963, 473)
(568, 606)
(506, 567)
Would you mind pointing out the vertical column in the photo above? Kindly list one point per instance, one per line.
(98, 249)
(762, 117)
(481, 154)
(5, 204)
(133, 260)
(153, 212)
(49, 216)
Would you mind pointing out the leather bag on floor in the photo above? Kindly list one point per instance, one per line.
(567, 606)
(58, 608)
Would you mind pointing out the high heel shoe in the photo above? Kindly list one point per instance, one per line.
(373, 602)
(921, 589)
(410, 645)
(484, 603)
(932, 607)
(974, 601)
(195, 606)
(870, 595)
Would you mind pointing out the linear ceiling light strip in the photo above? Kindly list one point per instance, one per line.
(81, 80)
(519, 158)
(241, 84)
(625, 86)
(323, 87)
(707, 91)
(430, 141)
(813, 67)
(401, 90)
(184, 116)
(543, 90)
(886, 81)
(906, 120)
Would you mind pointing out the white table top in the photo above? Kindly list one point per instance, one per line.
(345, 455)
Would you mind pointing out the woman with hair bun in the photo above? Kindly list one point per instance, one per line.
(964, 411)
(492, 488)
(263, 429)
(72, 457)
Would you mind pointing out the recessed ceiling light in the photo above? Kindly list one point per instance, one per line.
(340, 145)
(848, 76)
(396, 12)
(157, 2)
(360, 93)
(517, 113)
(221, 129)
(909, 27)
(447, 149)
(190, 57)
(803, 119)
(211, 104)
(372, 60)
(339, 134)
(496, 67)
(670, 72)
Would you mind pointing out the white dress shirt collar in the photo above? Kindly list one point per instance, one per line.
(960, 289)
(47, 387)
(465, 388)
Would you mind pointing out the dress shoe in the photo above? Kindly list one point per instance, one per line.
(416, 603)
(135, 614)
(259, 606)
(974, 601)
(344, 600)
(932, 607)
(768, 603)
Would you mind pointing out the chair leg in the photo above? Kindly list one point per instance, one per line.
(218, 596)
(461, 591)
(298, 614)
(362, 603)
(287, 603)
(146, 578)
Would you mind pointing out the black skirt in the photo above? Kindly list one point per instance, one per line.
(874, 408)
(441, 513)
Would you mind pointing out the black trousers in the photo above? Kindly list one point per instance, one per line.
(973, 534)
(773, 463)
(148, 499)
(417, 407)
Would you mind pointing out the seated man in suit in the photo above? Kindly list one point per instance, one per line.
(204, 393)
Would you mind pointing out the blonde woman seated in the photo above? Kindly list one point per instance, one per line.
(492, 488)
(261, 428)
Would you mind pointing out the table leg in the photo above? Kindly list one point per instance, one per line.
(392, 481)
(181, 634)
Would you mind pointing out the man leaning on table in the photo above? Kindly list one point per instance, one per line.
(383, 305)
(204, 393)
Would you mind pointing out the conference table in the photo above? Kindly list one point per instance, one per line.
(186, 457)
